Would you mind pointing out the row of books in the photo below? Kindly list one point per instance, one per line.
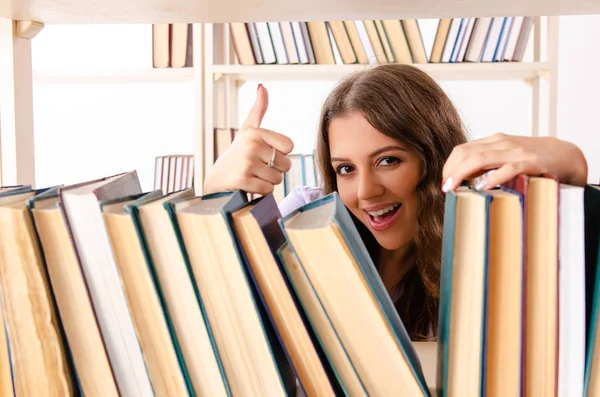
(172, 45)
(107, 290)
(519, 290)
(489, 39)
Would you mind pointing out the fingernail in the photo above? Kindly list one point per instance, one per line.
(258, 88)
(447, 185)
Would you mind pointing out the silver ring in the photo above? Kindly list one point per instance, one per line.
(271, 163)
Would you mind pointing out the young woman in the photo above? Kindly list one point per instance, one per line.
(390, 142)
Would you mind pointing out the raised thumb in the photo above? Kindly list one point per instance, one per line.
(258, 110)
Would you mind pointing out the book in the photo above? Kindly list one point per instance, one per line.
(83, 215)
(354, 297)
(74, 305)
(463, 285)
(258, 232)
(252, 358)
(168, 374)
(174, 279)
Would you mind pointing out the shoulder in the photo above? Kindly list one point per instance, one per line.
(298, 197)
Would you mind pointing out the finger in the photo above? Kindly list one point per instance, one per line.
(268, 174)
(506, 173)
(282, 163)
(462, 152)
(278, 141)
(258, 110)
(255, 185)
(476, 164)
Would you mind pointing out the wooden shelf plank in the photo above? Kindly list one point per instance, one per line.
(151, 11)
(114, 76)
(458, 71)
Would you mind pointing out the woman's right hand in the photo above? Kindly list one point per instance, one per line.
(244, 164)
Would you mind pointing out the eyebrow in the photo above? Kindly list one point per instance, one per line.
(376, 152)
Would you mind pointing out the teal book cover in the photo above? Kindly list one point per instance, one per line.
(132, 210)
(451, 215)
(171, 208)
(341, 217)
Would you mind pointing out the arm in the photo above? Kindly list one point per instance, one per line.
(511, 155)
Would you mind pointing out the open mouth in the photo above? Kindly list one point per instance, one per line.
(383, 218)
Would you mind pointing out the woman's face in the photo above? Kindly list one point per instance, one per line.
(377, 177)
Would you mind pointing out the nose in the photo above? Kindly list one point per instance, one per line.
(369, 186)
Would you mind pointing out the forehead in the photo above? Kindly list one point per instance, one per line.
(351, 134)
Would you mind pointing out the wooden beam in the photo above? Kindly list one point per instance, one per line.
(17, 164)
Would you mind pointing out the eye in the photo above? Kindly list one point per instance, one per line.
(344, 169)
(387, 161)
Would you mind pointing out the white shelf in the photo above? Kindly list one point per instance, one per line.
(441, 71)
(118, 76)
(151, 11)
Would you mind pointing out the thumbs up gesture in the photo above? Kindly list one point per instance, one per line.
(257, 158)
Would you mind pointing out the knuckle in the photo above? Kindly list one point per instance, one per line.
(286, 164)
(459, 152)
(279, 178)
(498, 136)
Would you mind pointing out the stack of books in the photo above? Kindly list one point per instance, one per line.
(107, 290)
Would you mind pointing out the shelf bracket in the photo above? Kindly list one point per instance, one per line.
(28, 29)
(217, 77)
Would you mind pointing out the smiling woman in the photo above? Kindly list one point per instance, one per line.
(390, 142)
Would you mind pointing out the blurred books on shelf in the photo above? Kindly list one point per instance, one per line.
(490, 39)
(173, 172)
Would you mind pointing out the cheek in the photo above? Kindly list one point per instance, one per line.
(348, 194)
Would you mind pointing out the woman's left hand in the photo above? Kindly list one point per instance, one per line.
(510, 156)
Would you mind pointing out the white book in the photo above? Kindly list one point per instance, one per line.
(571, 291)
(266, 45)
(513, 36)
(478, 39)
(336, 51)
(451, 40)
(300, 46)
(277, 40)
(364, 39)
(85, 222)
(499, 54)
(459, 38)
(253, 34)
(465, 41)
(492, 40)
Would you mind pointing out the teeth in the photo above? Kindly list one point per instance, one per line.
(383, 210)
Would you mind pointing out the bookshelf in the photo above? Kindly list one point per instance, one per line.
(224, 75)
(216, 76)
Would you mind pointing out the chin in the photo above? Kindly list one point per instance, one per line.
(389, 240)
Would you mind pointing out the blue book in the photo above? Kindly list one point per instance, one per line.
(334, 258)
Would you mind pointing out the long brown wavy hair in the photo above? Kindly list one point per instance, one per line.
(406, 104)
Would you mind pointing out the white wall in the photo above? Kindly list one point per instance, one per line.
(89, 131)
(85, 132)
(579, 88)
